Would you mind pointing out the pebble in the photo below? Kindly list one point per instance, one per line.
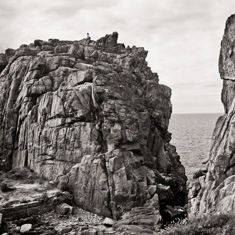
(108, 222)
(62, 230)
(65, 209)
(25, 228)
(72, 233)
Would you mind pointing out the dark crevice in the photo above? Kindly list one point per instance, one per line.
(52, 158)
(26, 160)
(103, 165)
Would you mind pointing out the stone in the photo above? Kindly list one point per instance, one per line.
(146, 220)
(199, 173)
(91, 116)
(152, 189)
(214, 191)
(194, 189)
(153, 202)
(72, 233)
(62, 229)
(65, 209)
(25, 228)
(175, 212)
(63, 183)
(108, 222)
(90, 231)
(9, 54)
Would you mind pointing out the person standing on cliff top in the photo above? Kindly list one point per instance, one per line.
(88, 38)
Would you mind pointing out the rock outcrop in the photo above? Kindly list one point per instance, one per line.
(214, 190)
(92, 116)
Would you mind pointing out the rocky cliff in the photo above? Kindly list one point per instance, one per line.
(92, 116)
(214, 190)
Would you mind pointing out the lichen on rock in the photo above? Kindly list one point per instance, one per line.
(93, 116)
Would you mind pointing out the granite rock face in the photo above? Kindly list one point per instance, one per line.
(214, 191)
(93, 116)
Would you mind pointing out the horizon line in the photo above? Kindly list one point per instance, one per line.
(198, 113)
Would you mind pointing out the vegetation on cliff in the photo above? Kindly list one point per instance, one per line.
(203, 225)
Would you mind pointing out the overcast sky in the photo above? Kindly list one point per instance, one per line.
(182, 36)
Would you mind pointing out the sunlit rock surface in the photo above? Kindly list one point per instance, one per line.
(92, 116)
(214, 191)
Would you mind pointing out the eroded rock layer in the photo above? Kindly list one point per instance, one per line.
(214, 190)
(92, 115)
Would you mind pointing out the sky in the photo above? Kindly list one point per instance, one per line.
(182, 37)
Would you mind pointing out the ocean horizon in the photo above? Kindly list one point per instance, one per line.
(192, 135)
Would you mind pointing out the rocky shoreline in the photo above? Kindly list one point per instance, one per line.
(85, 147)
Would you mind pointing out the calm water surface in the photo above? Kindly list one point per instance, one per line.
(191, 134)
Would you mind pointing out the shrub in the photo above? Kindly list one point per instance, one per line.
(204, 225)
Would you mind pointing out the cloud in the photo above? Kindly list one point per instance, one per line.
(182, 37)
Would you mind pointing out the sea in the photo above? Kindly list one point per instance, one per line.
(192, 135)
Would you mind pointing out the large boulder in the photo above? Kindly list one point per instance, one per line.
(92, 115)
(214, 191)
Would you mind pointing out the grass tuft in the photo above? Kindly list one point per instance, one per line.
(204, 225)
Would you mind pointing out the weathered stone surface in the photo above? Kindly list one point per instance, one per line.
(93, 116)
(25, 228)
(90, 231)
(140, 220)
(108, 222)
(214, 191)
(65, 209)
(15, 209)
(174, 212)
(62, 230)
